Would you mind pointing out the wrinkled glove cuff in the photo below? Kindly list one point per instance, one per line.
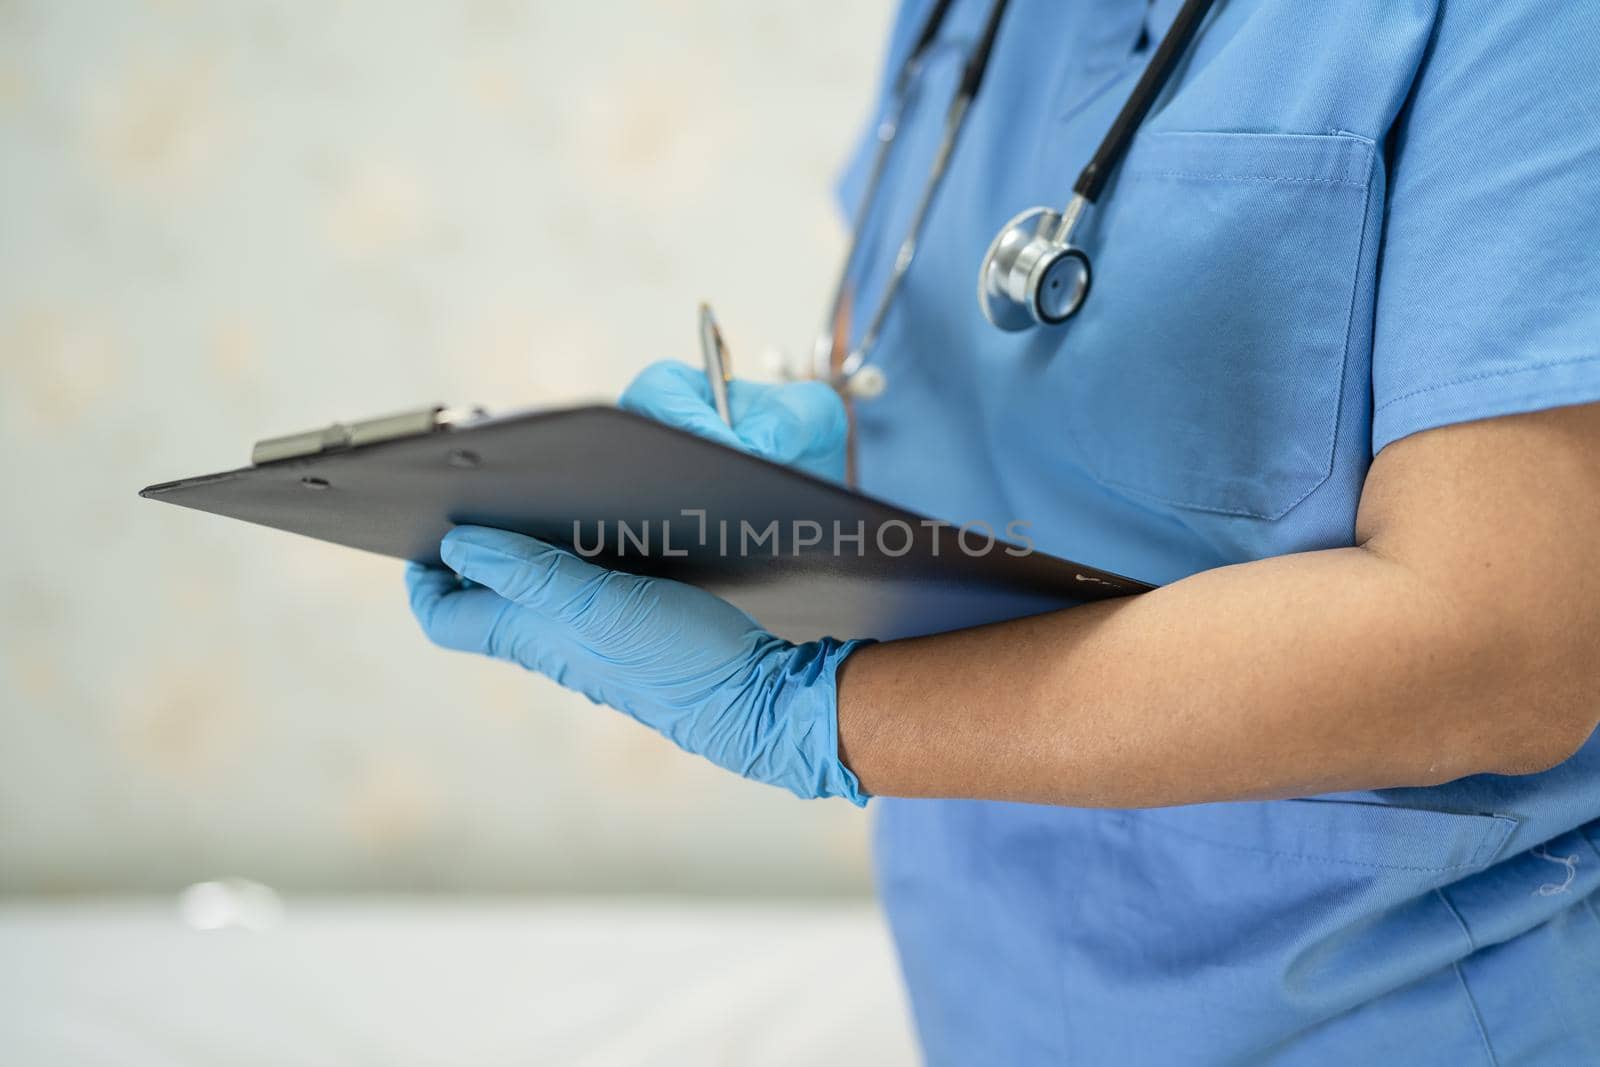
(812, 718)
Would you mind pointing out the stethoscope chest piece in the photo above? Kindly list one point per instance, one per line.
(1033, 274)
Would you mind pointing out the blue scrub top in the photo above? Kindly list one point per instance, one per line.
(1345, 223)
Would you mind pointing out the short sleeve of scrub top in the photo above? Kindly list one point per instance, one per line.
(1489, 276)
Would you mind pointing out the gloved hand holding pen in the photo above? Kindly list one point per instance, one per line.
(672, 656)
(800, 424)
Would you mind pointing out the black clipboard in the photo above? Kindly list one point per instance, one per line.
(636, 494)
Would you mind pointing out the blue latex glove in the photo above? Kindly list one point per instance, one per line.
(801, 424)
(672, 656)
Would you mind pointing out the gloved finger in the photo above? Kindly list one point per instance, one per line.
(464, 618)
(529, 572)
(678, 395)
(798, 423)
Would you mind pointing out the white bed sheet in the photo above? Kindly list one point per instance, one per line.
(460, 982)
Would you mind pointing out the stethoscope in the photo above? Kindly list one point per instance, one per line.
(1033, 274)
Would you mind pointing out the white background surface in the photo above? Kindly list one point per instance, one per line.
(476, 983)
(225, 219)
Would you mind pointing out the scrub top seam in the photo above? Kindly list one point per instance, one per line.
(1475, 862)
(1136, 175)
(1477, 1016)
(1466, 931)
(1461, 976)
(1095, 92)
(1488, 376)
(1350, 317)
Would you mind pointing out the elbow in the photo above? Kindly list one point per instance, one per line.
(1545, 741)
(1540, 726)
(1537, 740)
(1520, 691)
(1518, 700)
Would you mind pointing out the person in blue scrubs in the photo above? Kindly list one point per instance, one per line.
(1330, 795)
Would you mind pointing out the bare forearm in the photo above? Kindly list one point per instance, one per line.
(1311, 673)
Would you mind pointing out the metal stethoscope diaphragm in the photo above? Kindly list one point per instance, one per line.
(1033, 275)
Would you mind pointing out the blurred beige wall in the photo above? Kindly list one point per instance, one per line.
(224, 220)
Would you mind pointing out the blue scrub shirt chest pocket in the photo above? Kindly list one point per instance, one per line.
(1205, 371)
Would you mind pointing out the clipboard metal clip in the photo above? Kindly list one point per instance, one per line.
(414, 423)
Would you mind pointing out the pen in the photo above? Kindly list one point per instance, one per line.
(718, 370)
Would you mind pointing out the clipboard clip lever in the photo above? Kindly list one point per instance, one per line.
(340, 435)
